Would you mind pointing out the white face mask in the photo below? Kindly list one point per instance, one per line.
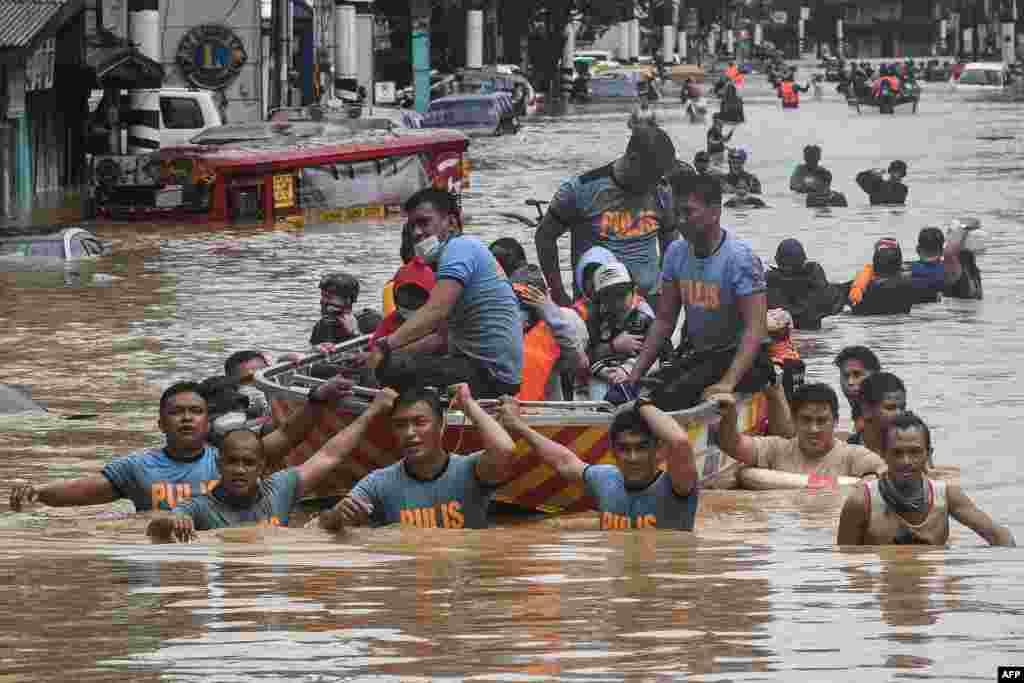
(428, 248)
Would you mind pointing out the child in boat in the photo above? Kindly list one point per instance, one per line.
(618, 326)
(413, 283)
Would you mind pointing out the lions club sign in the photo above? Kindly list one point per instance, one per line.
(211, 56)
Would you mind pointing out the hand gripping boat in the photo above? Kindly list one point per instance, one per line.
(580, 425)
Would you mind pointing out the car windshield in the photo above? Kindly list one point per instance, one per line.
(459, 112)
(981, 77)
(37, 248)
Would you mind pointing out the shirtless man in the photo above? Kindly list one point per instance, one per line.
(904, 506)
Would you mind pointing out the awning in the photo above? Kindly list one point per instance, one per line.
(123, 67)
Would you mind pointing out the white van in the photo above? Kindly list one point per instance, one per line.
(980, 76)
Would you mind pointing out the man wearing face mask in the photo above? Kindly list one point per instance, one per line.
(623, 206)
(472, 307)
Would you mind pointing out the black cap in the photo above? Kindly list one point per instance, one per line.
(653, 144)
(790, 255)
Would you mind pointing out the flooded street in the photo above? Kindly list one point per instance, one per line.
(758, 592)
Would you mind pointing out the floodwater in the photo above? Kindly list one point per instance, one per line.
(757, 593)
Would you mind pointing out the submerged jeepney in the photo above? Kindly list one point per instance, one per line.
(270, 172)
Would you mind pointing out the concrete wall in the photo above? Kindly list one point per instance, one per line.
(179, 17)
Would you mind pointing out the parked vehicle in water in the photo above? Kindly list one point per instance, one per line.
(58, 245)
(981, 76)
(473, 115)
(491, 80)
(285, 171)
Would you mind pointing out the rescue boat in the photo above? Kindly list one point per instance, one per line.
(582, 426)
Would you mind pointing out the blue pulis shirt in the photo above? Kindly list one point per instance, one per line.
(271, 506)
(151, 479)
(656, 506)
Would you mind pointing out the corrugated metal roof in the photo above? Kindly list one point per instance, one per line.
(21, 20)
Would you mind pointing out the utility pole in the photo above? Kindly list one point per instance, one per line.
(419, 13)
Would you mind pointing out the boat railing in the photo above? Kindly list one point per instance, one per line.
(292, 380)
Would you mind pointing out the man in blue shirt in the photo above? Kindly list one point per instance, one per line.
(472, 313)
(928, 275)
(160, 478)
(634, 493)
(719, 281)
(623, 206)
(428, 487)
(243, 496)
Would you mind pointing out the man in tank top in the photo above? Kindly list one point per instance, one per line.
(904, 506)
(633, 493)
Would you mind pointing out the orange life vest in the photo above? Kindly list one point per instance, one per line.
(540, 353)
(389, 298)
(860, 284)
(582, 306)
(790, 97)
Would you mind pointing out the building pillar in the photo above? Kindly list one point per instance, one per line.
(144, 105)
(346, 59)
(420, 15)
(634, 39)
(474, 39)
(840, 47)
(622, 49)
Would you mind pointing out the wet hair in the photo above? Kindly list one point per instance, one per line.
(903, 422)
(709, 189)
(509, 253)
(815, 393)
(628, 421)
(222, 396)
(812, 151)
(178, 388)
(442, 200)
(875, 387)
(414, 395)
(222, 439)
(863, 354)
(900, 166)
(236, 360)
(931, 240)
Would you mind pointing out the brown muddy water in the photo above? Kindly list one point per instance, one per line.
(758, 592)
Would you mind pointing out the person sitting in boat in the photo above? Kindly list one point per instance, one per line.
(789, 91)
(905, 507)
(885, 187)
(634, 493)
(881, 288)
(554, 339)
(617, 327)
(928, 273)
(160, 478)
(814, 451)
(338, 295)
(472, 298)
(414, 282)
(743, 199)
(623, 206)
(821, 195)
(244, 496)
(856, 364)
(965, 241)
(509, 253)
(242, 366)
(801, 287)
(428, 487)
(807, 176)
(586, 267)
(719, 281)
(737, 173)
(717, 137)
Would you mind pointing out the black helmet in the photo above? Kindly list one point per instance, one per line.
(341, 284)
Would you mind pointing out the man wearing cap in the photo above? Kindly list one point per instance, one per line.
(808, 175)
(885, 187)
(800, 287)
(737, 159)
(623, 206)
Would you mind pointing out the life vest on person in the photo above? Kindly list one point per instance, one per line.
(389, 298)
(860, 284)
(582, 306)
(735, 75)
(540, 353)
(790, 97)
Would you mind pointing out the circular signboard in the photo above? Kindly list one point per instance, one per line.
(211, 56)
